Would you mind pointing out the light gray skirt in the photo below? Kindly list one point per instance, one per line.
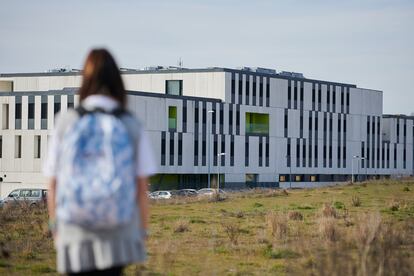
(81, 250)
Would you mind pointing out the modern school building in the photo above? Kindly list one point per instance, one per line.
(254, 126)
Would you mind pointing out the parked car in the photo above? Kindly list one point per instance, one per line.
(160, 195)
(187, 192)
(32, 197)
(209, 192)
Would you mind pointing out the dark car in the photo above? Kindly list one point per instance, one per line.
(31, 197)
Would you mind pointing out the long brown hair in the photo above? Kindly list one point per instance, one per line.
(101, 76)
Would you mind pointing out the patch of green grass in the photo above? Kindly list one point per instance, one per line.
(257, 205)
(271, 253)
(339, 205)
(41, 269)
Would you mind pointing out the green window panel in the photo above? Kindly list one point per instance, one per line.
(257, 123)
(172, 118)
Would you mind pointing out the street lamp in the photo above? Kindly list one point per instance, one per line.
(352, 165)
(208, 142)
(218, 173)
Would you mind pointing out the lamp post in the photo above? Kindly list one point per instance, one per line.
(208, 142)
(352, 165)
(218, 173)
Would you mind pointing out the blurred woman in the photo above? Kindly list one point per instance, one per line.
(98, 164)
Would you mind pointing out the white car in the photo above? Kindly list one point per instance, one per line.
(209, 192)
(160, 195)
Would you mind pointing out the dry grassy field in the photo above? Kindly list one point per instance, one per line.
(363, 229)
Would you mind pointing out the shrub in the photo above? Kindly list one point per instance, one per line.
(328, 211)
(328, 229)
(294, 215)
(406, 189)
(356, 201)
(277, 224)
(233, 232)
(394, 205)
(181, 226)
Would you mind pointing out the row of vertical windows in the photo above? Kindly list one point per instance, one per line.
(331, 97)
(259, 98)
(18, 146)
(31, 111)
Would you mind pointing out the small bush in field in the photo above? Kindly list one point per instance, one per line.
(181, 226)
(356, 201)
(328, 229)
(329, 211)
(406, 189)
(394, 205)
(233, 232)
(339, 205)
(277, 225)
(295, 215)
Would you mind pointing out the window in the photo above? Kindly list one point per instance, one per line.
(180, 149)
(251, 178)
(25, 193)
(230, 119)
(298, 178)
(282, 178)
(288, 153)
(286, 122)
(18, 146)
(185, 116)
(163, 148)
(247, 89)
(237, 119)
(254, 90)
(260, 151)
(18, 112)
(313, 178)
(71, 101)
(35, 193)
(313, 96)
(233, 87)
(267, 152)
(223, 150)
(215, 150)
(221, 117)
(5, 116)
(31, 112)
(43, 112)
(232, 151)
(268, 92)
(56, 104)
(240, 88)
(260, 91)
(171, 148)
(289, 94)
(172, 118)
(174, 87)
(257, 123)
(295, 95)
(246, 151)
(37, 149)
(301, 94)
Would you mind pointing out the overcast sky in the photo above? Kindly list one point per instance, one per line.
(369, 43)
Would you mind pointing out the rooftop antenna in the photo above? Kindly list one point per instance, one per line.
(180, 63)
